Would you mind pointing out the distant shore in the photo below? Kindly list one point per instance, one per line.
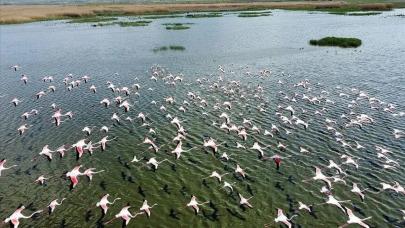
(14, 14)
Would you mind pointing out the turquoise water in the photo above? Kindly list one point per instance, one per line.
(124, 56)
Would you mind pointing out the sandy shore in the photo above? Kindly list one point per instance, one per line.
(10, 14)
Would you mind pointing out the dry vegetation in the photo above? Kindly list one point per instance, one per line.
(10, 14)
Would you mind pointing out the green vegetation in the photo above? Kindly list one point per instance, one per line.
(177, 26)
(92, 19)
(169, 48)
(161, 16)
(254, 14)
(202, 15)
(132, 23)
(337, 41)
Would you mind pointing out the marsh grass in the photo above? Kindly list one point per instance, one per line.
(13, 14)
(337, 41)
(123, 23)
(346, 8)
(204, 15)
(132, 23)
(169, 48)
(92, 19)
(177, 26)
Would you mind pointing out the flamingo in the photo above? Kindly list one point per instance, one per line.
(244, 202)
(152, 161)
(41, 180)
(211, 144)
(125, 215)
(53, 205)
(302, 206)
(16, 101)
(353, 219)
(357, 190)
(93, 88)
(105, 102)
(103, 142)
(17, 215)
(103, 203)
(23, 128)
(257, 147)
(282, 218)
(194, 204)
(228, 185)
(178, 150)
(333, 201)
(146, 208)
(90, 172)
(2, 163)
(320, 176)
(74, 174)
(240, 171)
(87, 130)
(47, 152)
(216, 175)
(79, 147)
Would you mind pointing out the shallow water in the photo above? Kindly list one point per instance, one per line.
(278, 43)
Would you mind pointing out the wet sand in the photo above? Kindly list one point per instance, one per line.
(11, 14)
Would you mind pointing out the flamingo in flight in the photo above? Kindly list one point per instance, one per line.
(14, 218)
(2, 163)
(103, 203)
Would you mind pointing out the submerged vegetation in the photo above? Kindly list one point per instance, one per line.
(177, 26)
(169, 48)
(254, 14)
(92, 19)
(132, 23)
(356, 13)
(202, 15)
(124, 23)
(337, 41)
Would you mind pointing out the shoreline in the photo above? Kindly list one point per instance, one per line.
(16, 14)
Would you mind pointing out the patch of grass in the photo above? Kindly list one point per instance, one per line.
(177, 26)
(254, 14)
(203, 15)
(169, 48)
(92, 19)
(161, 16)
(132, 23)
(337, 41)
(177, 48)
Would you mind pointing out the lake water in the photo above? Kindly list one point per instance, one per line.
(121, 54)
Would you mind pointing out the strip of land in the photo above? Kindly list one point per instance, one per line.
(13, 14)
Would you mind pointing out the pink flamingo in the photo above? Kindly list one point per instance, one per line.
(90, 172)
(74, 174)
(17, 215)
(53, 205)
(2, 163)
(103, 203)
